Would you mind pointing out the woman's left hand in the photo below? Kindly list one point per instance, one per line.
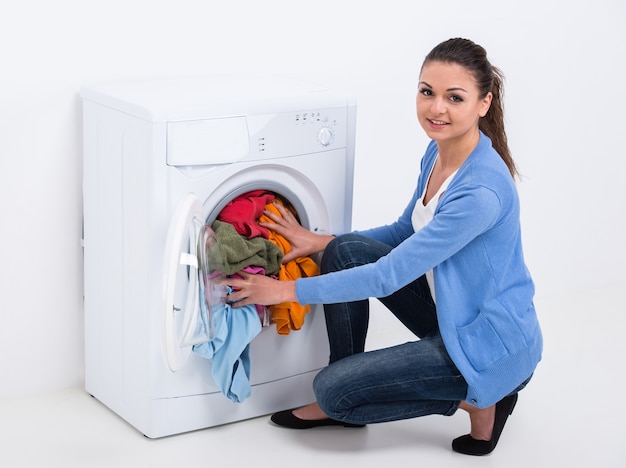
(302, 241)
(259, 289)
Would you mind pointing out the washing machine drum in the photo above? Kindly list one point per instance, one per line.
(193, 268)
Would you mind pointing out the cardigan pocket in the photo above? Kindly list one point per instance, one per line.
(481, 344)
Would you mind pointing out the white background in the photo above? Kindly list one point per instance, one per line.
(565, 67)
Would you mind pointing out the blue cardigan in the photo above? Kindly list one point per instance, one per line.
(484, 291)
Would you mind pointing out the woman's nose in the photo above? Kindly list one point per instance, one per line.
(438, 106)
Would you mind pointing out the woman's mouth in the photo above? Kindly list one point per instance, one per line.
(437, 123)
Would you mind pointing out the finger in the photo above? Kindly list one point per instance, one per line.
(281, 209)
(236, 297)
(278, 227)
(273, 226)
(236, 294)
(288, 257)
(235, 283)
(244, 274)
(287, 215)
(239, 303)
(273, 216)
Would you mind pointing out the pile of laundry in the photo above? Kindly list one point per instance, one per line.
(244, 245)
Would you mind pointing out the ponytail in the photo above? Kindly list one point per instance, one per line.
(492, 124)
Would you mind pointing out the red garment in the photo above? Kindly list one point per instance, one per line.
(243, 212)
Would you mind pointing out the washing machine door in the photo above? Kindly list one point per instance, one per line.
(193, 267)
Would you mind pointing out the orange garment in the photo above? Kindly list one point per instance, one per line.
(289, 315)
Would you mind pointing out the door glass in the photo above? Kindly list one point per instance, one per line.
(192, 290)
(212, 291)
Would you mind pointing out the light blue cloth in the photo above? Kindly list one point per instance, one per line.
(229, 348)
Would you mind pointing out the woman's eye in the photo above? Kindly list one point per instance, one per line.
(455, 98)
(426, 92)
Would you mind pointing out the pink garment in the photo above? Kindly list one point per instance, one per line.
(243, 212)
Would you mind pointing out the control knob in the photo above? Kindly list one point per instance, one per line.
(325, 136)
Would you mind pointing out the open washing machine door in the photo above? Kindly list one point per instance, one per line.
(193, 266)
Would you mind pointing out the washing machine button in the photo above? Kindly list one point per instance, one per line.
(325, 136)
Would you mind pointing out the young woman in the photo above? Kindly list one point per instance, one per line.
(451, 268)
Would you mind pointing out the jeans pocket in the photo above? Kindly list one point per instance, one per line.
(481, 343)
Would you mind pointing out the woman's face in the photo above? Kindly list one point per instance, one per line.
(448, 102)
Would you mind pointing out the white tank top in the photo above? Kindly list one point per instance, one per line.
(423, 214)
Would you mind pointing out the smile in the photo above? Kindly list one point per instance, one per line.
(437, 122)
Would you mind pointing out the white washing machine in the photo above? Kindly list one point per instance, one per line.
(161, 160)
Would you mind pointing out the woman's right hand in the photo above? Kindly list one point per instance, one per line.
(303, 242)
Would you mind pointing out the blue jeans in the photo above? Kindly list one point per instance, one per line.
(404, 381)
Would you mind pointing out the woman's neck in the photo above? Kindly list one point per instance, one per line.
(453, 153)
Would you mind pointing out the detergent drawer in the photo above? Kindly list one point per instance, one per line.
(207, 141)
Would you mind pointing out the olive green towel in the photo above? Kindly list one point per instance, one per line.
(239, 252)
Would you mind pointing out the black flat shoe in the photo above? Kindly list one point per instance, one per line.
(469, 446)
(288, 419)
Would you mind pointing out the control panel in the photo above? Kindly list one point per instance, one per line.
(289, 134)
(255, 137)
(322, 121)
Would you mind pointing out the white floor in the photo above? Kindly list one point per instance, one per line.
(571, 415)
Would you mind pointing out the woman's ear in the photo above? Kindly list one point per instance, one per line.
(485, 104)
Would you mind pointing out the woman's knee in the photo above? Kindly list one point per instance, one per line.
(334, 252)
(347, 251)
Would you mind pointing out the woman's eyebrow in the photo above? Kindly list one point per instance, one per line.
(449, 89)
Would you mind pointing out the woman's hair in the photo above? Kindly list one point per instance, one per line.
(473, 58)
